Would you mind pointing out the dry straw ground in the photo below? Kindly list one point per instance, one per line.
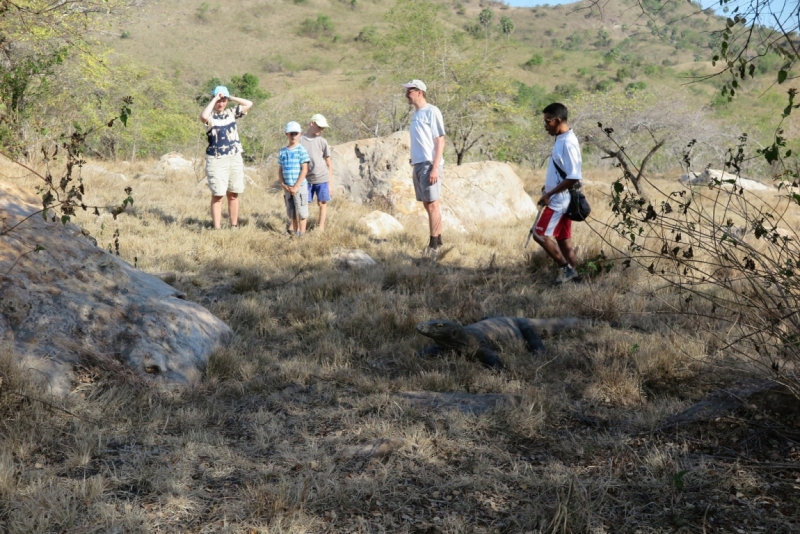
(270, 441)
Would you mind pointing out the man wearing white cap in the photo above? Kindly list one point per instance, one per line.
(320, 168)
(427, 156)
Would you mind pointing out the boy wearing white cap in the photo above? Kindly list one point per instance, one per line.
(320, 168)
(427, 156)
(293, 160)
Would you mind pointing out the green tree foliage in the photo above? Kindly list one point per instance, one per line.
(247, 86)
(603, 38)
(38, 38)
(476, 99)
(506, 26)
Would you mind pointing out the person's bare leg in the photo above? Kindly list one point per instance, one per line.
(216, 211)
(233, 208)
(434, 217)
(302, 225)
(323, 213)
(567, 252)
(552, 248)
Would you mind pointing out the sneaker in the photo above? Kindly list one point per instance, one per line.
(566, 273)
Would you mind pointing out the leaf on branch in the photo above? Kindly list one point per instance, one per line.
(689, 253)
(652, 269)
(782, 76)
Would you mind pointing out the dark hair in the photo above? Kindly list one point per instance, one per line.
(557, 110)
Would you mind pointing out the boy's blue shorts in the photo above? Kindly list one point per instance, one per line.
(320, 190)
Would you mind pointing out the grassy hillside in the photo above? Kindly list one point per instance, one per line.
(323, 55)
(196, 39)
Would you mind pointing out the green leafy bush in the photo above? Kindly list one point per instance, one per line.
(535, 61)
(635, 86)
(316, 28)
(604, 86)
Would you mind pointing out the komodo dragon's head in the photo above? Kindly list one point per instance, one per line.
(448, 334)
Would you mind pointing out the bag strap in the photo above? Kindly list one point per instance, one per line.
(561, 172)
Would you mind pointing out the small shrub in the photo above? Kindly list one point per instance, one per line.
(201, 13)
(535, 61)
(566, 90)
(316, 28)
(654, 70)
(125, 34)
(635, 86)
(368, 34)
(604, 86)
(474, 29)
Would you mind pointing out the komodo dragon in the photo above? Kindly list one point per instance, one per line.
(484, 338)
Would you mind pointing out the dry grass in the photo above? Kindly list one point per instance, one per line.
(265, 443)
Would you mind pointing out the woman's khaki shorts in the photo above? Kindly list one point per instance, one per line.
(225, 173)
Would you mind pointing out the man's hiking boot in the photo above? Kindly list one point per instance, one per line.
(566, 274)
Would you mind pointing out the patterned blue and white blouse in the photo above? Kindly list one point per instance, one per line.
(223, 138)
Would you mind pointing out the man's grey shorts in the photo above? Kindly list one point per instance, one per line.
(224, 174)
(422, 184)
(297, 204)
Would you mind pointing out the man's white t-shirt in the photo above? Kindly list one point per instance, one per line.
(426, 125)
(567, 153)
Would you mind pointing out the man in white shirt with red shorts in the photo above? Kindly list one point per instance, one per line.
(553, 229)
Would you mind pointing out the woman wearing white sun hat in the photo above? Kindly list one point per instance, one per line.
(224, 165)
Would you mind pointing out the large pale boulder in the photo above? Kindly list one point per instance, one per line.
(96, 171)
(380, 224)
(473, 194)
(174, 162)
(73, 299)
(727, 179)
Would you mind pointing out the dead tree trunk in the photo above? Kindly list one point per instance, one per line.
(625, 164)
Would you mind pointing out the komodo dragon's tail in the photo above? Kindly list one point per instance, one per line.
(548, 327)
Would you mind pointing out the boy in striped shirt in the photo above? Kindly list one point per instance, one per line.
(293, 166)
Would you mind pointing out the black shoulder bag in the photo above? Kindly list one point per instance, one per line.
(579, 207)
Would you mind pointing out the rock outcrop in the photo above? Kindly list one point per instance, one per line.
(472, 194)
(381, 225)
(351, 258)
(73, 299)
(96, 171)
(174, 162)
(727, 179)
